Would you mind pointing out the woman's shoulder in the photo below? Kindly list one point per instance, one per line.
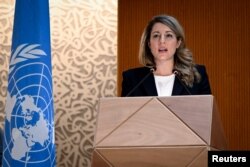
(200, 68)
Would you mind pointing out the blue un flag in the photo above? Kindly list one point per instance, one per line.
(29, 139)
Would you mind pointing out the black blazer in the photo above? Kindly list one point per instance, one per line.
(132, 77)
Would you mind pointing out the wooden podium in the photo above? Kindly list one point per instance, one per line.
(156, 131)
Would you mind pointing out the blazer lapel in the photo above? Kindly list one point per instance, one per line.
(178, 88)
(149, 86)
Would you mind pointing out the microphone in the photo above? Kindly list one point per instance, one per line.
(183, 84)
(143, 79)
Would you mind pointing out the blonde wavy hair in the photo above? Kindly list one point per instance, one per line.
(183, 58)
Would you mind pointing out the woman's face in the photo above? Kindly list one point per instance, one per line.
(163, 43)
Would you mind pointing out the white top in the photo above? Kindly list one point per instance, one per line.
(164, 84)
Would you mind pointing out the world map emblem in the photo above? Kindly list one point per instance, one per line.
(29, 107)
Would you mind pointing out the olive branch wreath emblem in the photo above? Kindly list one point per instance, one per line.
(25, 52)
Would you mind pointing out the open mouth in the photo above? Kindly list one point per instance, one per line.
(163, 50)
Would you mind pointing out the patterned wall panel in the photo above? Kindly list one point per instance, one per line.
(6, 24)
(84, 58)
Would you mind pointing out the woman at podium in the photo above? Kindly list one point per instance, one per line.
(168, 65)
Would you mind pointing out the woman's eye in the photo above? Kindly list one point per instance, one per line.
(156, 36)
(169, 35)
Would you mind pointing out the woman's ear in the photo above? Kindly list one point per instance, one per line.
(178, 43)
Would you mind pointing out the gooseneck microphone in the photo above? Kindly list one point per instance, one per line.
(141, 81)
(182, 83)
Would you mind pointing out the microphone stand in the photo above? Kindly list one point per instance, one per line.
(151, 71)
(183, 84)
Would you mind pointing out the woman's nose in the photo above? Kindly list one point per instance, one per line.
(162, 39)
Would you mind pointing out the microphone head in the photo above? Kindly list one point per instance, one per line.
(176, 72)
(153, 69)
